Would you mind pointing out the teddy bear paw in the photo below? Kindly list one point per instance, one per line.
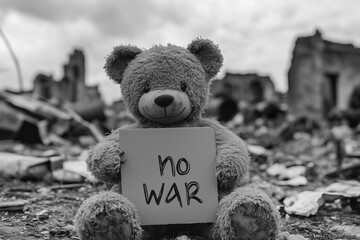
(254, 222)
(110, 226)
(107, 216)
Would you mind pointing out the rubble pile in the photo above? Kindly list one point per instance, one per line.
(30, 120)
(312, 172)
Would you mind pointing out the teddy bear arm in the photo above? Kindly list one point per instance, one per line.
(104, 158)
(232, 157)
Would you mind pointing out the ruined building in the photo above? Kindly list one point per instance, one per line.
(250, 88)
(71, 87)
(322, 76)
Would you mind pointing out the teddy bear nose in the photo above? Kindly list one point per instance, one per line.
(164, 100)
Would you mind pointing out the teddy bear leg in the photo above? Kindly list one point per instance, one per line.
(108, 216)
(247, 214)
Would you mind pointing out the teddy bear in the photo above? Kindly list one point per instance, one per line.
(168, 87)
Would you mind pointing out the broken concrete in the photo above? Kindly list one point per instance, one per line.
(322, 76)
(38, 121)
(251, 87)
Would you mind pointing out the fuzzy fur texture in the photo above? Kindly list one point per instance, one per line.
(118, 60)
(241, 199)
(104, 159)
(205, 50)
(171, 67)
(107, 203)
(165, 67)
(232, 157)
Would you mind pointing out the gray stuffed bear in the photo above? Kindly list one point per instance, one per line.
(166, 87)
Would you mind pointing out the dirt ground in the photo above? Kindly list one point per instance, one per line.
(51, 207)
(50, 213)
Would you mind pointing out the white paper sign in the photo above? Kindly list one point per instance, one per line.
(169, 174)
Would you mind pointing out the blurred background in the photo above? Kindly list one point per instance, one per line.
(289, 86)
(254, 36)
(286, 61)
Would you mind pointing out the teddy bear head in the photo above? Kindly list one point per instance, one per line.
(165, 85)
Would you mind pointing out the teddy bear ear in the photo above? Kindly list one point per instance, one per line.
(209, 55)
(118, 60)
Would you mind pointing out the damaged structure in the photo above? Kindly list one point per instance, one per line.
(238, 93)
(61, 111)
(249, 87)
(322, 76)
(71, 87)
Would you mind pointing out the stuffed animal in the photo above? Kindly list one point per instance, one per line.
(166, 87)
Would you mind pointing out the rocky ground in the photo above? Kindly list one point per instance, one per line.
(50, 206)
(50, 211)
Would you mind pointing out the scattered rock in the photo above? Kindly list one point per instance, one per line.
(15, 205)
(351, 230)
(258, 150)
(303, 204)
(293, 172)
(182, 237)
(297, 181)
(276, 169)
(42, 215)
(43, 228)
(308, 202)
(346, 188)
(69, 228)
(288, 236)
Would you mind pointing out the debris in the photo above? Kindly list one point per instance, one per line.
(304, 204)
(28, 167)
(293, 176)
(34, 107)
(43, 228)
(42, 215)
(67, 186)
(80, 168)
(296, 181)
(20, 166)
(182, 237)
(64, 176)
(258, 150)
(269, 189)
(351, 230)
(90, 110)
(10, 121)
(288, 236)
(341, 132)
(350, 172)
(74, 171)
(20, 189)
(236, 121)
(31, 120)
(91, 127)
(223, 108)
(70, 228)
(16, 205)
(276, 169)
(308, 202)
(293, 172)
(346, 188)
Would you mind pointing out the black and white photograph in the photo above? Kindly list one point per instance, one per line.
(180, 120)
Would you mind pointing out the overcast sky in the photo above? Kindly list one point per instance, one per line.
(254, 35)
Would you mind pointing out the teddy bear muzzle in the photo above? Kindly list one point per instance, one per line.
(165, 106)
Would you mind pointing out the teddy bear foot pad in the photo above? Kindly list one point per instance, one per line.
(107, 216)
(252, 222)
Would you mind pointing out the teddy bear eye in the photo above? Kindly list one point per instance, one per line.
(146, 88)
(183, 87)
